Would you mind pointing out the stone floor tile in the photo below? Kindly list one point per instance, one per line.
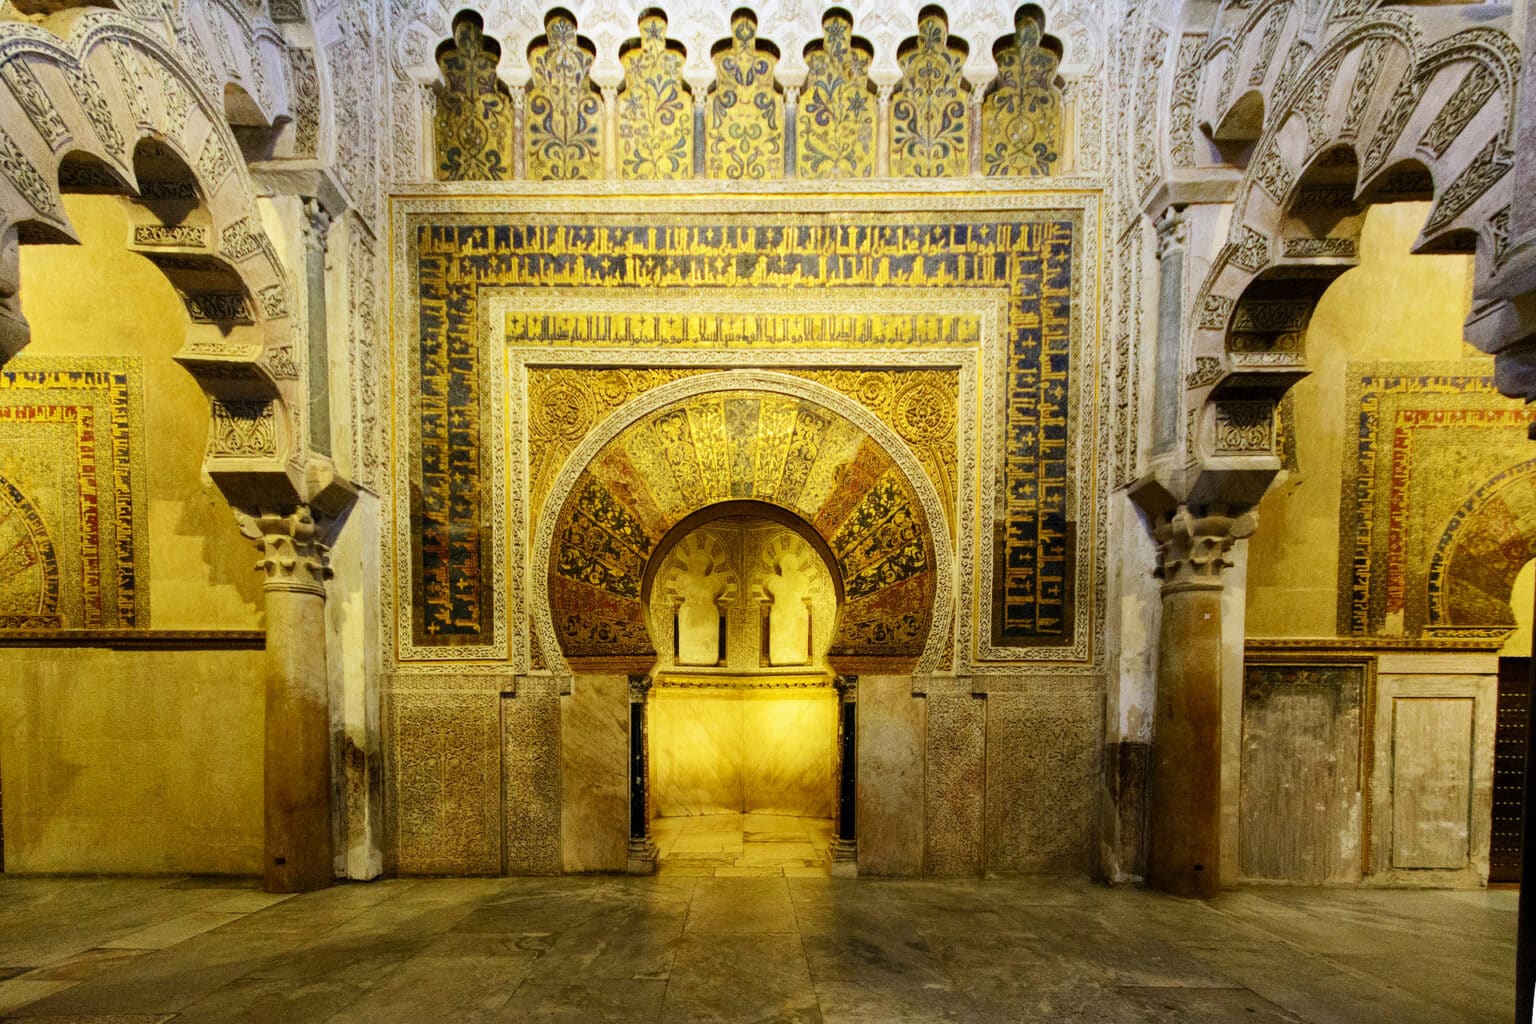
(1205, 1006)
(20, 992)
(87, 965)
(176, 930)
(748, 906)
(596, 1001)
(740, 979)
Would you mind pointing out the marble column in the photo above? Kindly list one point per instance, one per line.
(1185, 854)
(791, 127)
(316, 227)
(642, 849)
(1172, 241)
(973, 141)
(297, 765)
(610, 94)
(844, 850)
(883, 132)
(519, 133)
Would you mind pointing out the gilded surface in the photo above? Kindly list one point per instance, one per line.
(474, 120)
(930, 118)
(1427, 433)
(29, 568)
(1021, 115)
(1488, 540)
(655, 108)
(664, 276)
(71, 533)
(564, 111)
(835, 127)
(728, 445)
(745, 134)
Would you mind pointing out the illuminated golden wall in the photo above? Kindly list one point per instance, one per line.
(726, 750)
(744, 734)
(122, 760)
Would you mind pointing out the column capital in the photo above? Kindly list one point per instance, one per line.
(1192, 544)
(293, 558)
(317, 224)
(847, 687)
(639, 687)
(1172, 232)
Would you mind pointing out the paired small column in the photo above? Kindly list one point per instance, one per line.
(1185, 856)
(316, 227)
(296, 781)
(642, 849)
(844, 850)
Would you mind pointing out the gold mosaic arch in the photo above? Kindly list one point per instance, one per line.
(731, 436)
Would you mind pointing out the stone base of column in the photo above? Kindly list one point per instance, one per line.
(643, 856)
(844, 855)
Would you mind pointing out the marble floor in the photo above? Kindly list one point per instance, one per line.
(690, 948)
(743, 845)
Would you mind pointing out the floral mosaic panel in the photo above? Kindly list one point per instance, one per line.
(564, 127)
(1021, 114)
(930, 115)
(745, 134)
(655, 108)
(835, 126)
(474, 120)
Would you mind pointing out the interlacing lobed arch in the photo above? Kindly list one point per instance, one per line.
(1320, 111)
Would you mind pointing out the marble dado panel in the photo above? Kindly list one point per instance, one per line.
(1432, 777)
(72, 516)
(443, 782)
(958, 783)
(1041, 504)
(1042, 781)
(718, 751)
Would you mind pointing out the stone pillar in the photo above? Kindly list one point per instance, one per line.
(297, 764)
(844, 851)
(1185, 855)
(700, 127)
(316, 226)
(642, 849)
(974, 139)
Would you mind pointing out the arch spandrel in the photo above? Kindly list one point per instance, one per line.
(738, 436)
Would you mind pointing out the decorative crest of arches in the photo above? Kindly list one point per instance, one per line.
(759, 101)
